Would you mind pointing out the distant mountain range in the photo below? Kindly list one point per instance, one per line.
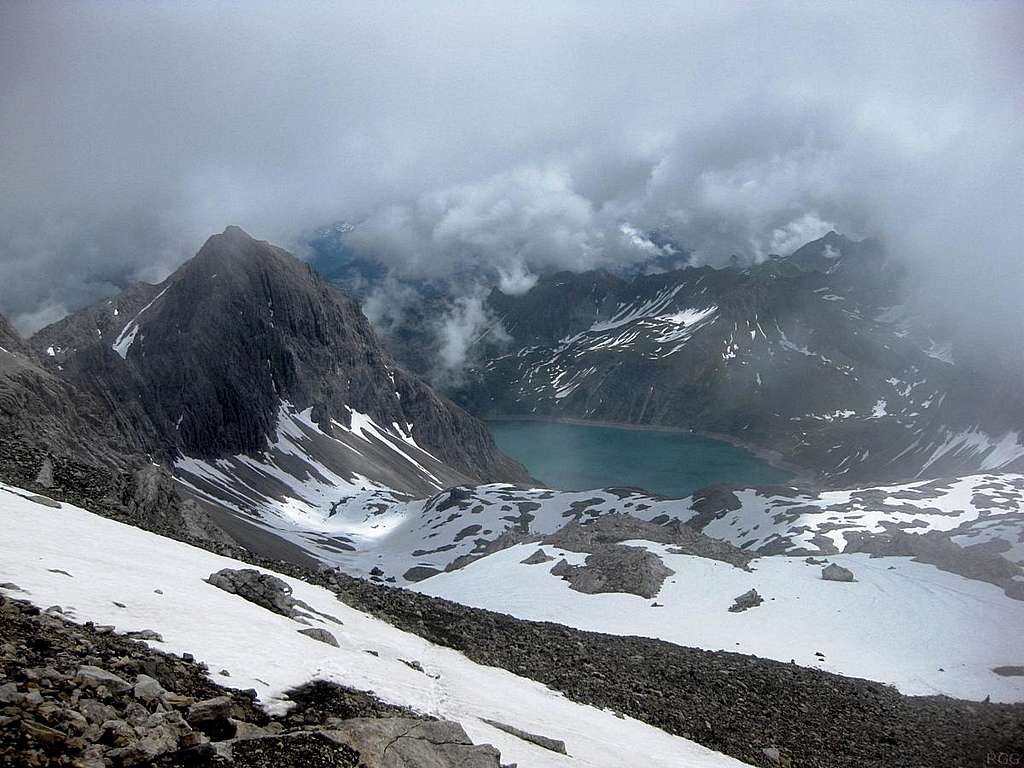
(814, 356)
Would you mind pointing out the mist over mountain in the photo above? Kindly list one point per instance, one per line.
(133, 131)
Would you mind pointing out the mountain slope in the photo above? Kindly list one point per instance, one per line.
(164, 588)
(813, 356)
(211, 363)
(39, 408)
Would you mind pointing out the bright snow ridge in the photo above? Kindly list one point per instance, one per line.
(110, 561)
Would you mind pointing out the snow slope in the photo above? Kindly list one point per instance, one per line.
(83, 562)
(904, 623)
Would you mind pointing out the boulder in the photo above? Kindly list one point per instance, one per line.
(94, 677)
(538, 557)
(257, 587)
(210, 709)
(320, 634)
(147, 689)
(835, 572)
(747, 600)
(555, 745)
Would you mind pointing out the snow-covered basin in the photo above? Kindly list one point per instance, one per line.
(110, 561)
(903, 623)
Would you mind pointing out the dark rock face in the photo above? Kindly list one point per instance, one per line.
(40, 409)
(614, 528)
(201, 363)
(936, 548)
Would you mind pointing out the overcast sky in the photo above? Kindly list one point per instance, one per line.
(513, 137)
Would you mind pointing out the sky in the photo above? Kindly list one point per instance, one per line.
(505, 139)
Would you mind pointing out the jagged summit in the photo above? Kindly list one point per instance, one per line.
(207, 363)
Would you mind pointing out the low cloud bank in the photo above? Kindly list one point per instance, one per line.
(495, 142)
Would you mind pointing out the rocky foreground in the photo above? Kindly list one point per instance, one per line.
(83, 696)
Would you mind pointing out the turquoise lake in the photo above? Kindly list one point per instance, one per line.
(578, 457)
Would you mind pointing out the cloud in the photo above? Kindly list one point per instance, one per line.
(515, 281)
(466, 323)
(496, 141)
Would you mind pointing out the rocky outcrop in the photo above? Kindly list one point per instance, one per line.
(616, 569)
(614, 528)
(936, 548)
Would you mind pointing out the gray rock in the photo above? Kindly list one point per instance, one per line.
(835, 572)
(94, 677)
(9, 694)
(257, 587)
(244, 730)
(147, 689)
(96, 711)
(773, 755)
(45, 475)
(616, 569)
(145, 634)
(555, 745)
(747, 600)
(320, 634)
(218, 708)
(538, 557)
(1009, 671)
(398, 742)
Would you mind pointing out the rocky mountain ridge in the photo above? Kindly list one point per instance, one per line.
(204, 364)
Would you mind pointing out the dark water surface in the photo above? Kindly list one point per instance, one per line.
(582, 457)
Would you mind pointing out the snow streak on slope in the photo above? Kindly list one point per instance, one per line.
(126, 338)
(103, 561)
(904, 623)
